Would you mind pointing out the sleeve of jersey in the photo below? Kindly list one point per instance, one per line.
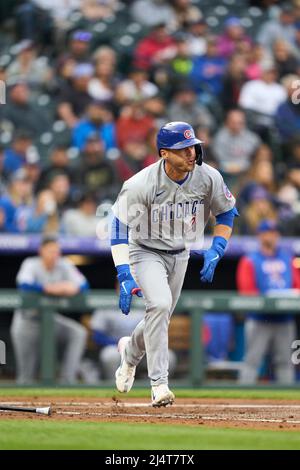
(26, 279)
(221, 198)
(129, 206)
(227, 218)
(245, 277)
(128, 211)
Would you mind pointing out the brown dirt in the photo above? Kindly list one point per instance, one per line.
(234, 413)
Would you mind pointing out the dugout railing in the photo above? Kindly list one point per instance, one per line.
(195, 302)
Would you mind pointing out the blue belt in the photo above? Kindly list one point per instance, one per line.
(163, 252)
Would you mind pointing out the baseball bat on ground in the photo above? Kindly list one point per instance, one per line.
(42, 411)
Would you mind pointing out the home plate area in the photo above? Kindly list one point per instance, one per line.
(270, 414)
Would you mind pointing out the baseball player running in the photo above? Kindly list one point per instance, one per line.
(159, 212)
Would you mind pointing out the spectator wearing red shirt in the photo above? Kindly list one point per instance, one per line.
(268, 271)
(133, 124)
(156, 48)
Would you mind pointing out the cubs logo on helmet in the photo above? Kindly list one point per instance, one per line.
(188, 134)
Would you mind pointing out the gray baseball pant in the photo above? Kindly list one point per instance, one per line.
(263, 337)
(25, 334)
(160, 277)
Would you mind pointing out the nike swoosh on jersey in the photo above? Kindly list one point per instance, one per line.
(158, 194)
(214, 259)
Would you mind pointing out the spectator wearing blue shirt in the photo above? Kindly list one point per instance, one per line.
(99, 121)
(208, 70)
(40, 216)
(19, 193)
(287, 117)
(15, 156)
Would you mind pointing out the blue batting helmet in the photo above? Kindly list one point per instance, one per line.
(179, 135)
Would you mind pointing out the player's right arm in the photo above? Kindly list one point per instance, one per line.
(120, 254)
(129, 206)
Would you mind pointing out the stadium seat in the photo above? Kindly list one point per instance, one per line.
(44, 145)
(48, 105)
(221, 10)
(124, 47)
(62, 135)
(5, 60)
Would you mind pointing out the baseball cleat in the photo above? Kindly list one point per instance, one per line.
(125, 373)
(162, 395)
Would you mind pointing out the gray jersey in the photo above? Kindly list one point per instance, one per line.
(165, 215)
(33, 271)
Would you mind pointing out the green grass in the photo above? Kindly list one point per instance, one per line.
(32, 434)
(276, 394)
(50, 434)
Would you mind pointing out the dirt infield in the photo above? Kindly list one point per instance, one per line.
(234, 413)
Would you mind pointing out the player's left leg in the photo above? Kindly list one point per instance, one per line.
(176, 268)
(161, 278)
(151, 335)
(74, 337)
(284, 335)
(176, 277)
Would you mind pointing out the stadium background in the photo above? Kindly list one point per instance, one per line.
(42, 35)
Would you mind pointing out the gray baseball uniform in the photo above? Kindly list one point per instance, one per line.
(260, 337)
(164, 216)
(25, 328)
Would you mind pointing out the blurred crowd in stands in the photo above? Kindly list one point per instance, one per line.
(89, 82)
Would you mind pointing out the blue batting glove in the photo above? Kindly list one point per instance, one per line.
(128, 288)
(211, 258)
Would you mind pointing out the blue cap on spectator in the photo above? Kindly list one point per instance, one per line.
(259, 193)
(232, 21)
(267, 226)
(84, 36)
(83, 70)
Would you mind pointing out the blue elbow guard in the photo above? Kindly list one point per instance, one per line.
(227, 218)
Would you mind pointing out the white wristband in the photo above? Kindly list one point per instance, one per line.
(120, 254)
